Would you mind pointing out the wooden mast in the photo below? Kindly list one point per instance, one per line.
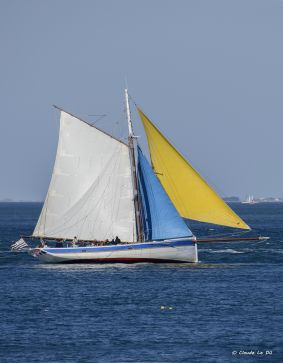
(137, 205)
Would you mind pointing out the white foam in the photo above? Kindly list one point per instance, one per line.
(228, 250)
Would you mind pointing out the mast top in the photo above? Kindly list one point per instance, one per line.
(128, 111)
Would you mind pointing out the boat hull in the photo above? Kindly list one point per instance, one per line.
(173, 251)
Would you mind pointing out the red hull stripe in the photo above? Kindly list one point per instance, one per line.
(124, 260)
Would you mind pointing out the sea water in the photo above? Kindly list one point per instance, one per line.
(226, 308)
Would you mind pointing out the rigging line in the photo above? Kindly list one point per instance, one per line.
(134, 102)
(146, 208)
(90, 125)
(100, 117)
(122, 183)
(226, 234)
(155, 212)
(132, 152)
(119, 128)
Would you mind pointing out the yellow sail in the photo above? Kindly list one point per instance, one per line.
(189, 192)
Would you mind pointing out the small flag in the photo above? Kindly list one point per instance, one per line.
(19, 245)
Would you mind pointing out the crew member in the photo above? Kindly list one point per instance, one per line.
(74, 241)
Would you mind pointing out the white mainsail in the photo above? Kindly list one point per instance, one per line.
(90, 194)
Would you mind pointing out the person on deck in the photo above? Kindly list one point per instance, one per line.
(117, 240)
(74, 241)
(59, 244)
(41, 243)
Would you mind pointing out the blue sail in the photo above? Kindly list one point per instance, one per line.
(160, 218)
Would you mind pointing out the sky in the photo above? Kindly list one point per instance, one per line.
(208, 73)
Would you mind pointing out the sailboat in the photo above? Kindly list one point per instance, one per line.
(249, 200)
(106, 203)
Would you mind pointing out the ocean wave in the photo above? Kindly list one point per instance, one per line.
(228, 250)
(273, 250)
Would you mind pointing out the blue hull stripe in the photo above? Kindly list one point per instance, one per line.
(121, 247)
